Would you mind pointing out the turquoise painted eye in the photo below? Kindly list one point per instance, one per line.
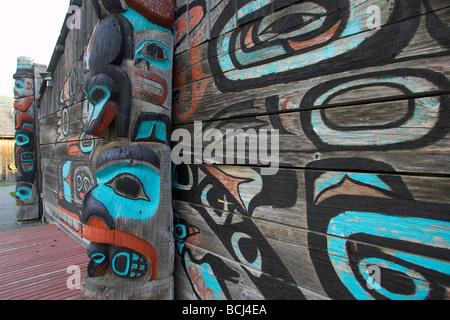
(23, 193)
(22, 139)
(153, 52)
(128, 191)
(98, 98)
(180, 231)
(97, 94)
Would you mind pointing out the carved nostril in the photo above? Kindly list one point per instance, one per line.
(98, 253)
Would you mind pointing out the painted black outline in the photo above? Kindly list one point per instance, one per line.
(435, 134)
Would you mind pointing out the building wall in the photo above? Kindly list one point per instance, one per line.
(358, 92)
(8, 171)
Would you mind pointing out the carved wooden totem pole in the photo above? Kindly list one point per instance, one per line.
(128, 214)
(27, 195)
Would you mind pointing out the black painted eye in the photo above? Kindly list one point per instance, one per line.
(180, 231)
(154, 51)
(286, 23)
(176, 94)
(128, 186)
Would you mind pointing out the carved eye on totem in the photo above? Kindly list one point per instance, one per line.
(23, 88)
(180, 231)
(27, 156)
(128, 186)
(22, 139)
(128, 191)
(23, 193)
(19, 85)
(153, 53)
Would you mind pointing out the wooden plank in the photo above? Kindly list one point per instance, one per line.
(204, 186)
(296, 257)
(63, 193)
(307, 23)
(66, 126)
(65, 219)
(199, 96)
(213, 242)
(240, 288)
(62, 200)
(194, 29)
(386, 131)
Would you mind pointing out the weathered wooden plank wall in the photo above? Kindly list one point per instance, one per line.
(359, 93)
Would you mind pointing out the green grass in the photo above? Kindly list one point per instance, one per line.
(6, 184)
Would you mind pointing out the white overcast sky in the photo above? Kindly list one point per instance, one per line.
(28, 28)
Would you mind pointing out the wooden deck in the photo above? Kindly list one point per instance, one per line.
(34, 264)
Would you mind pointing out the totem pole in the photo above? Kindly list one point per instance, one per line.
(27, 195)
(127, 216)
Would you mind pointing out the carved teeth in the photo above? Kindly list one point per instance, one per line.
(148, 85)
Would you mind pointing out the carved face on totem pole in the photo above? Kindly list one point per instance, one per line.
(128, 214)
(23, 87)
(130, 203)
(26, 191)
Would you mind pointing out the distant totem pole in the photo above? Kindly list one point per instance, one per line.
(27, 194)
(127, 216)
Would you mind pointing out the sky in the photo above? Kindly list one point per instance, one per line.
(28, 28)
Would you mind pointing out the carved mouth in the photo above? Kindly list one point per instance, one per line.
(149, 87)
(128, 261)
(128, 264)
